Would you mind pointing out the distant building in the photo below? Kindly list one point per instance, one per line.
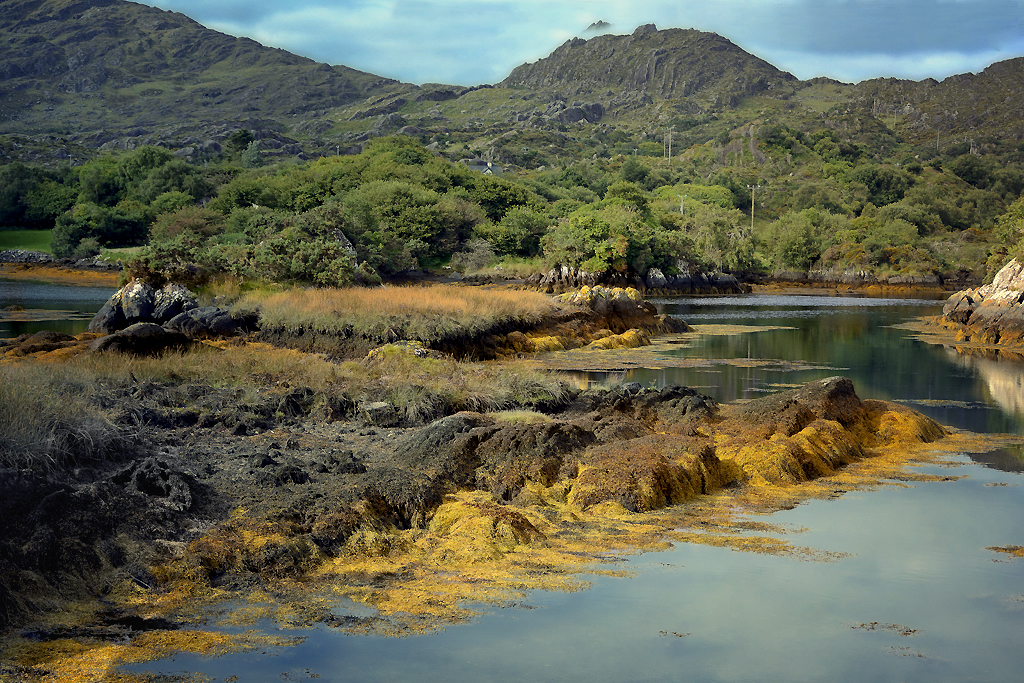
(485, 167)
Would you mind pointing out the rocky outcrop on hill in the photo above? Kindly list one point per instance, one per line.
(670, 64)
(993, 313)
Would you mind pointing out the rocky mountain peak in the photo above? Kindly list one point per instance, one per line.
(669, 64)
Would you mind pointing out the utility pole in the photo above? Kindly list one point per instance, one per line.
(752, 188)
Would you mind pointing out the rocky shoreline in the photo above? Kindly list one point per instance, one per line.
(322, 479)
(208, 492)
(991, 315)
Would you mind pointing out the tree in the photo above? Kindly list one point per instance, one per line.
(239, 140)
(632, 171)
(251, 157)
(123, 225)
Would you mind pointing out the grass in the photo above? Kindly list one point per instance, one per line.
(48, 419)
(122, 254)
(49, 416)
(426, 314)
(32, 240)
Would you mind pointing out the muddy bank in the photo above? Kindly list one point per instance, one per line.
(38, 266)
(226, 494)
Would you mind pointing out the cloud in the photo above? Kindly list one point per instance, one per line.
(471, 42)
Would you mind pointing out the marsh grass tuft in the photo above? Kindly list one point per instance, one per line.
(49, 420)
(521, 417)
(426, 314)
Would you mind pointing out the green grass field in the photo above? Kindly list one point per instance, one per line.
(34, 240)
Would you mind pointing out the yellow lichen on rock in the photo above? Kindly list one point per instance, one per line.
(545, 344)
(630, 339)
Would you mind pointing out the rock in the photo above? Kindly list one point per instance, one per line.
(833, 398)
(24, 256)
(656, 279)
(959, 307)
(992, 314)
(142, 339)
(380, 414)
(204, 322)
(110, 317)
(137, 301)
(172, 300)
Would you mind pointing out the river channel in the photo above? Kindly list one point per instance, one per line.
(914, 592)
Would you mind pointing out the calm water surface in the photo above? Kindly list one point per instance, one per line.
(916, 561)
(36, 297)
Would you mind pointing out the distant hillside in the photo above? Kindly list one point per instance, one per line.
(669, 64)
(80, 76)
(95, 69)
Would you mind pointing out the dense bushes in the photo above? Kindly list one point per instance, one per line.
(397, 206)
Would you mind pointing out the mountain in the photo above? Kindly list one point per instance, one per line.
(97, 68)
(704, 68)
(77, 76)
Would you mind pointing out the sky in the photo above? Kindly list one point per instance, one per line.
(472, 42)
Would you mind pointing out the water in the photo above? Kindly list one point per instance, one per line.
(40, 299)
(944, 607)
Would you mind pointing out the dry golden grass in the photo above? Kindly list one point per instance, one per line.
(422, 313)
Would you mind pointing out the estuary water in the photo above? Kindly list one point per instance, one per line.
(50, 307)
(914, 594)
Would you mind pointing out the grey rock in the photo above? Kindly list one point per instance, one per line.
(656, 279)
(203, 322)
(380, 414)
(172, 300)
(137, 301)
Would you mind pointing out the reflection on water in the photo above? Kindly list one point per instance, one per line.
(35, 297)
(916, 597)
(1004, 378)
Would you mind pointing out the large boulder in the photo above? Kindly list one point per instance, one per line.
(994, 313)
(138, 302)
(142, 339)
(172, 300)
(203, 322)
